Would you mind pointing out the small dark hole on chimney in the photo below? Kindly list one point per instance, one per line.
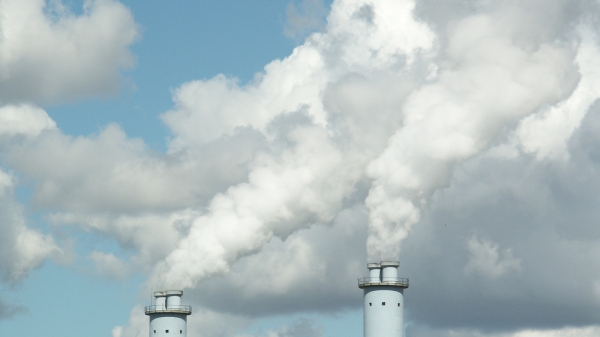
(382, 303)
(398, 304)
(370, 304)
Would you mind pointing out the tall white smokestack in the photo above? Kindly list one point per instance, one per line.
(383, 300)
(168, 317)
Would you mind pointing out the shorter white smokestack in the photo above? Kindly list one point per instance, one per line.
(160, 300)
(168, 317)
(374, 272)
(383, 300)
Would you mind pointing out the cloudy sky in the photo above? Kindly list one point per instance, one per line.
(257, 154)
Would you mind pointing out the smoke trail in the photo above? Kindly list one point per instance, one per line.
(321, 161)
(376, 97)
(282, 194)
(485, 85)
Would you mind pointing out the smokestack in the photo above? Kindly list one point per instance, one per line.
(168, 317)
(383, 300)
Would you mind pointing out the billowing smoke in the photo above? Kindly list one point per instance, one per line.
(376, 97)
(314, 160)
(483, 85)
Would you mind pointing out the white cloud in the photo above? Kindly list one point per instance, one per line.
(152, 235)
(205, 110)
(279, 273)
(109, 266)
(21, 248)
(381, 34)
(48, 54)
(138, 325)
(486, 85)
(546, 134)
(25, 120)
(485, 259)
(111, 171)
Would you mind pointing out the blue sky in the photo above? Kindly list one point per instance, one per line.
(180, 42)
(258, 154)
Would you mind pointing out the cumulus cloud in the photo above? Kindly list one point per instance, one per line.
(21, 248)
(484, 258)
(138, 325)
(109, 171)
(151, 235)
(48, 54)
(351, 44)
(109, 266)
(547, 133)
(24, 120)
(544, 239)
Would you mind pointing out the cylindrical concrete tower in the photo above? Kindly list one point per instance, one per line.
(383, 300)
(168, 317)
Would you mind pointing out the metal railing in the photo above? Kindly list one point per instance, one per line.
(177, 309)
(376, 281)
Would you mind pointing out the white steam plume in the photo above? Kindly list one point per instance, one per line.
(309, 180)
(448, 99)
(305, 183)
(485, 86)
